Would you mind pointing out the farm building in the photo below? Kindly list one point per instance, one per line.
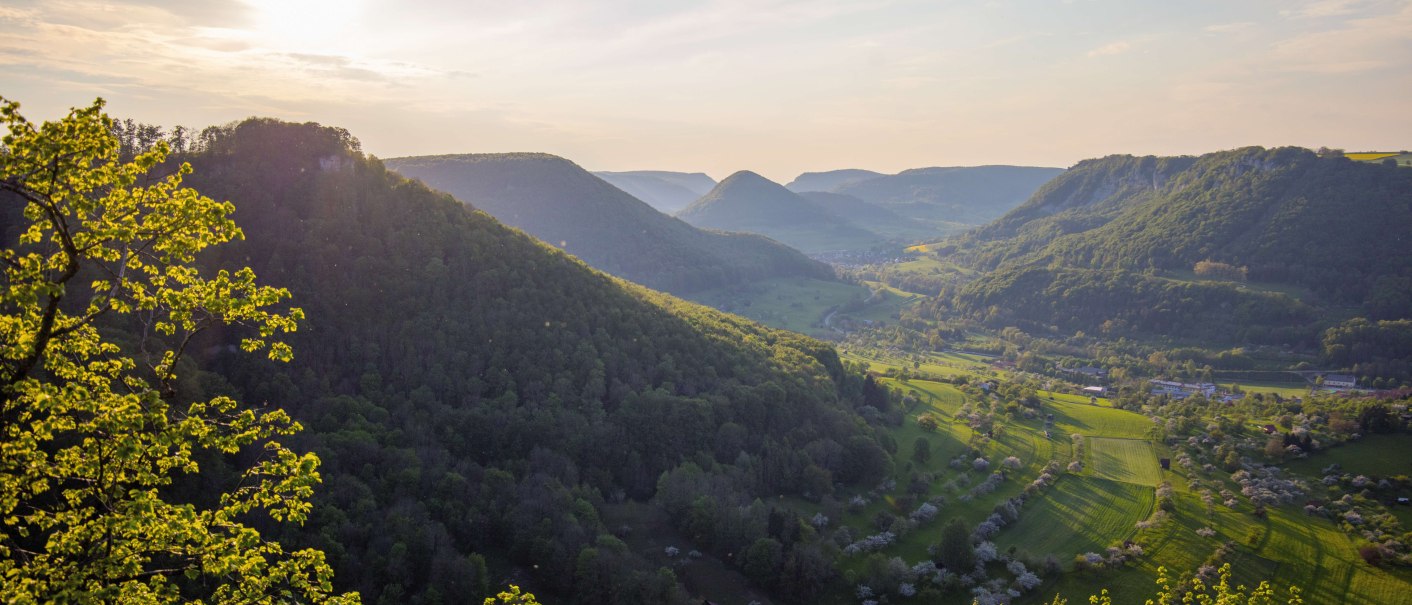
(1182, 390)
(1095, 391)
(1339, 381)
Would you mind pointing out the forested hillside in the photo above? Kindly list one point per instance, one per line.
(972, 195)
(869, 216)
(1245, 240)
(555, 200)
(666, 191)
(1115, 303)
(482, 401)
(748, 202)
(1087, 195)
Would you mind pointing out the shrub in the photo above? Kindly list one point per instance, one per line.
(1371, 554)
(927, 422)
(926, 512)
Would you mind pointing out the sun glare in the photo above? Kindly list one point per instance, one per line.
(304, 25)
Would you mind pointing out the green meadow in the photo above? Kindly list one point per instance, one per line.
(1101, 505)
(1373, 455)
(1079, 514)
(791, 303)
(1098, 421)
(1125, 460)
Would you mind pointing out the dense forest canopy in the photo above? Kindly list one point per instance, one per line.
(1329, 224)
(1143, 244)
(480, 399)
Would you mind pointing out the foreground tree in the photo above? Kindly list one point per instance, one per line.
(92, 434)
(512, 596)
(956, 553)
(1197, 592)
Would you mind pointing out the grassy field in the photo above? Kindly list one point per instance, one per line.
(924, 274)
(1079, 514)
(1288, 390)
(1374, 455)
(1092, 420)
(1024, 441)
(938, 397)
(1296, 292)
(1071, 398)
(1125, 460)
(1288, 548)
(931, 265)
(1402, 159)
(1371, 156)
(790, 303)
(944, 364)
(885, 310)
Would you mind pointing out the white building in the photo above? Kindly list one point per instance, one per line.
(1339, 381)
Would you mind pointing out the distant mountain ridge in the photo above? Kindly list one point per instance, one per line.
(829, 180)
(1091, 188)
(972, 194)
(561, 203)
(746, 201)
(1286, 213)
(872, 217)
(664, 190)
(1116, 237)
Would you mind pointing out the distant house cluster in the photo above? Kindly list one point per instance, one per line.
(1089, 372)
(1182, 390)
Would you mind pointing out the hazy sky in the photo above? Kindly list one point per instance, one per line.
(777, 87)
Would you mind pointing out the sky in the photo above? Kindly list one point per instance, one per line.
(778, 87)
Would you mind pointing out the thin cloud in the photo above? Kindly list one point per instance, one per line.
(1116, 48)
(1229, 28)
(1325, 8)
(1370, 43)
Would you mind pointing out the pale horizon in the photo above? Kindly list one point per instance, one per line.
(779, 88)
